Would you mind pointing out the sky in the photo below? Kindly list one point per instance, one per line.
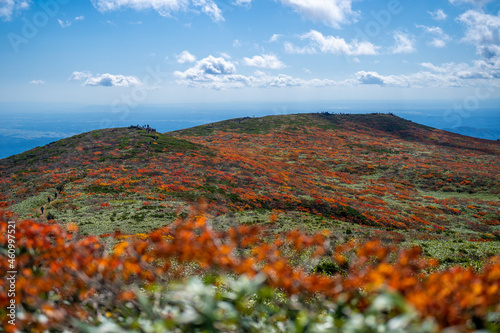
(133, 52)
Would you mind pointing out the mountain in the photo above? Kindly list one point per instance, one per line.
(370, 176)
(483, 133)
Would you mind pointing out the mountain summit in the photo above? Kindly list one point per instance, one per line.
(345, 172)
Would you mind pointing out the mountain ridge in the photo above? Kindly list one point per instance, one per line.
(373, 175)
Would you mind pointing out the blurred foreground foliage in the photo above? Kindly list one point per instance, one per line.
(187, 277)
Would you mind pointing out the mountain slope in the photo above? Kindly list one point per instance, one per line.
(372, 176)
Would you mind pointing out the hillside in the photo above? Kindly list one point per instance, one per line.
(372, 176)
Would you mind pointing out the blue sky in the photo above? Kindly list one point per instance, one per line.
(136, 52)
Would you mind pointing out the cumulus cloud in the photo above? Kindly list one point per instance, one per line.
(264, 61)
(212, 72)
(37, 82)
(105, 80)
(109, 80)
(483, 31)
(208, 66)
(461, 72)
(77, 76)
(291, 48)
(480, 73)
(242, 2)
(404, 43)
(481, 28)
(210, 8)
(185, 57)
(369, 78)
(219, 73)
(330, 44)
(490, 51)
(10, 7)
(274, 38)
(329, 12)
(439, 37)
(438, 15)
(163, 7)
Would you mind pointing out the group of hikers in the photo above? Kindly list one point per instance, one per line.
(144, 127)
(59, 189)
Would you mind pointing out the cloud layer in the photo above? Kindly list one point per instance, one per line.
(105, 80)
(332, 13)
(9, 7)
(438, 37)
(219, 73)
(404, 43)
(264, 61)
(163, 7)
(185, 57)
(330, 44)
(37, 82)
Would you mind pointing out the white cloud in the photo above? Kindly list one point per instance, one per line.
(481, 28)
(9, 7)
(274, 38)
(331, 44)
(211, 66)
(210, 8)
(439, 37)
(64, 24)
(337, 45)
(463, 72)
(163, 7)
(185, 57)
(109, 80)
(438, 15)
(264, 61)
(77, 76)
(219, 73)
(236, 43)
(242, 2)
(481, 73)
(290, 48)
(471, 2)
(370, 78)
(364, 77)
(329, 12)
(483, 31)
(105, 80)
(404, 43)
(37, 82)
(67, 23)
(212, 72)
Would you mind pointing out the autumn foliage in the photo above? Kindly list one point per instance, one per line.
(64, 276)
(372, 183)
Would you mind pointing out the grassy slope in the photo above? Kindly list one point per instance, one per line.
(370, 176)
